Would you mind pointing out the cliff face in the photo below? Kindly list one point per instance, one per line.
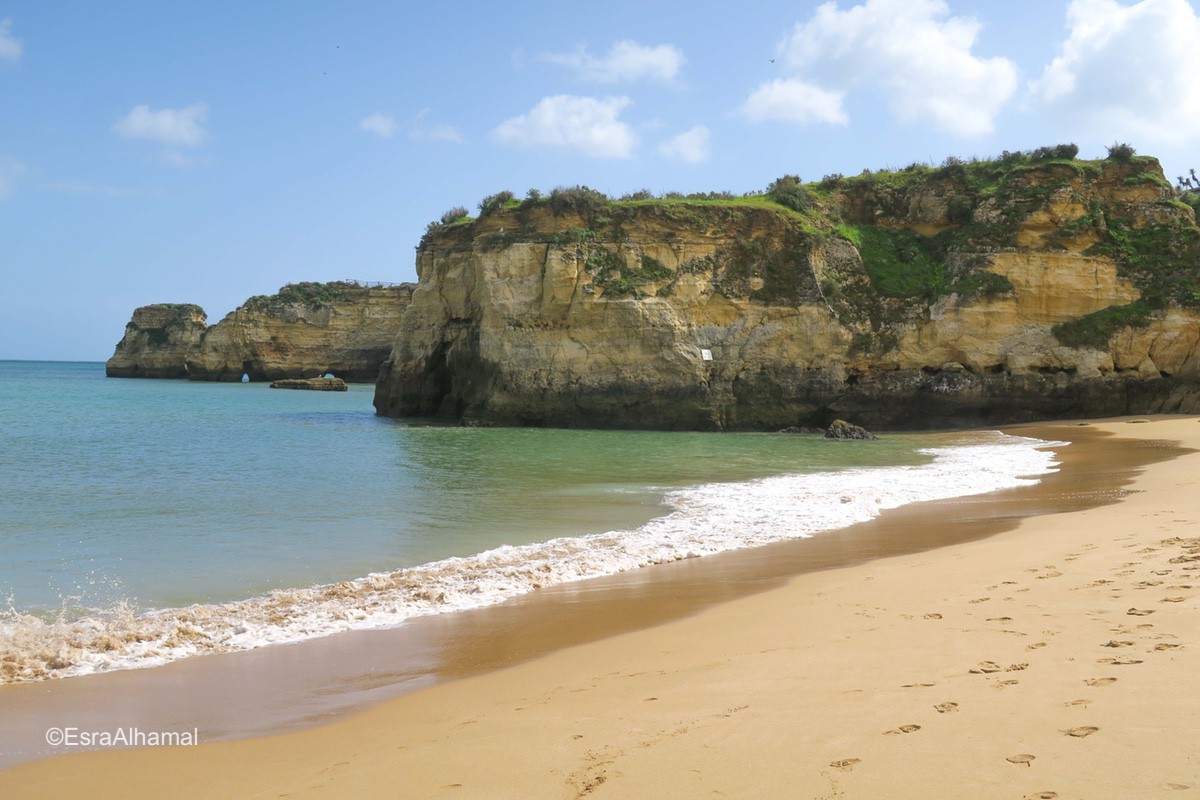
(970, 294)
(157, 341)
(304, 330)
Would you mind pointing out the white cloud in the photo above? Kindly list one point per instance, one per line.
(912, 50)
(10, 48)
(691, 146)
(439, 132)
(379, 124)
(587, 124)
(1128, 71)
(794, 100)
(625, 61)
(418, 128)
(10, 171)
(173, 127)
(423, 131)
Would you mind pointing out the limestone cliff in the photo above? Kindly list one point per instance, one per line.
(305, 329)
(975, 293)
(157, 341)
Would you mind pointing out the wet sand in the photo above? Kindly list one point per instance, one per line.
(760, 673)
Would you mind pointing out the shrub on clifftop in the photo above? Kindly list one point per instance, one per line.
(494, 202)
(1121, 151)
(791, 193)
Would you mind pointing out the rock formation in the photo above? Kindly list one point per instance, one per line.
(312, 384)
(157, 342)
(840, 429)
(306, 328)
(1023, 288)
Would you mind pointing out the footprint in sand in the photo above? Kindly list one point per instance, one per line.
(1036, 645)
(845, 763)
(946, 708)
(1115, 643)
(917, 685)
(903, 729)
(1167, 646)
(1002, 684)
(933, 616)
(1140, 612)
(1176, 786)
(987, 667)
(1101, 681)
(1071, 703)
(1082, 731)
(1021, 758)
(1118, 662)
(999, 619)
(1172, 600)
(1041, 796)
(979, 600)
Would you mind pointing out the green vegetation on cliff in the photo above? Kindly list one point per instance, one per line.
(306, 293)
(918, 233)
(1095, 329)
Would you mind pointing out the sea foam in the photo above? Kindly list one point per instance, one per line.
(703, 520)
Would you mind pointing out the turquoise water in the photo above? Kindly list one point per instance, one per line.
(119, 497)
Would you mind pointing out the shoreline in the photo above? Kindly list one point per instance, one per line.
(650, 607)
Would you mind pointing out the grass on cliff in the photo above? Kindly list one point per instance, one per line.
(1095, 329)
(979, 204)
(307, 293)
(899, 262)
(904, 264)
(618, 279)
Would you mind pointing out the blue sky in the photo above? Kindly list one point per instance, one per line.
(206, 152)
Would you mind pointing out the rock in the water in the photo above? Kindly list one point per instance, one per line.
(342, 327)
(312, 384)
(840, 429)
(157, 342)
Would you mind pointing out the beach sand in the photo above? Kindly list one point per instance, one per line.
(1058, 658)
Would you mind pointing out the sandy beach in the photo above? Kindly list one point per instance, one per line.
(1055, 658)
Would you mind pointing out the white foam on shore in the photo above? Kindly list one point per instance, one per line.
(705, 519)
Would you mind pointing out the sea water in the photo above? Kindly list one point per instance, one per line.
(143, 521)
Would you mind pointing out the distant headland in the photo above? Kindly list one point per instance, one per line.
(306, 329)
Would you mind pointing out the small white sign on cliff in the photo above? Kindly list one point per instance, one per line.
(705, 354)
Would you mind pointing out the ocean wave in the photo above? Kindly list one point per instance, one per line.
(704, 520)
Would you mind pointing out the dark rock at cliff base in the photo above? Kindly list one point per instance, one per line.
(840, 429)
(311, 384)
